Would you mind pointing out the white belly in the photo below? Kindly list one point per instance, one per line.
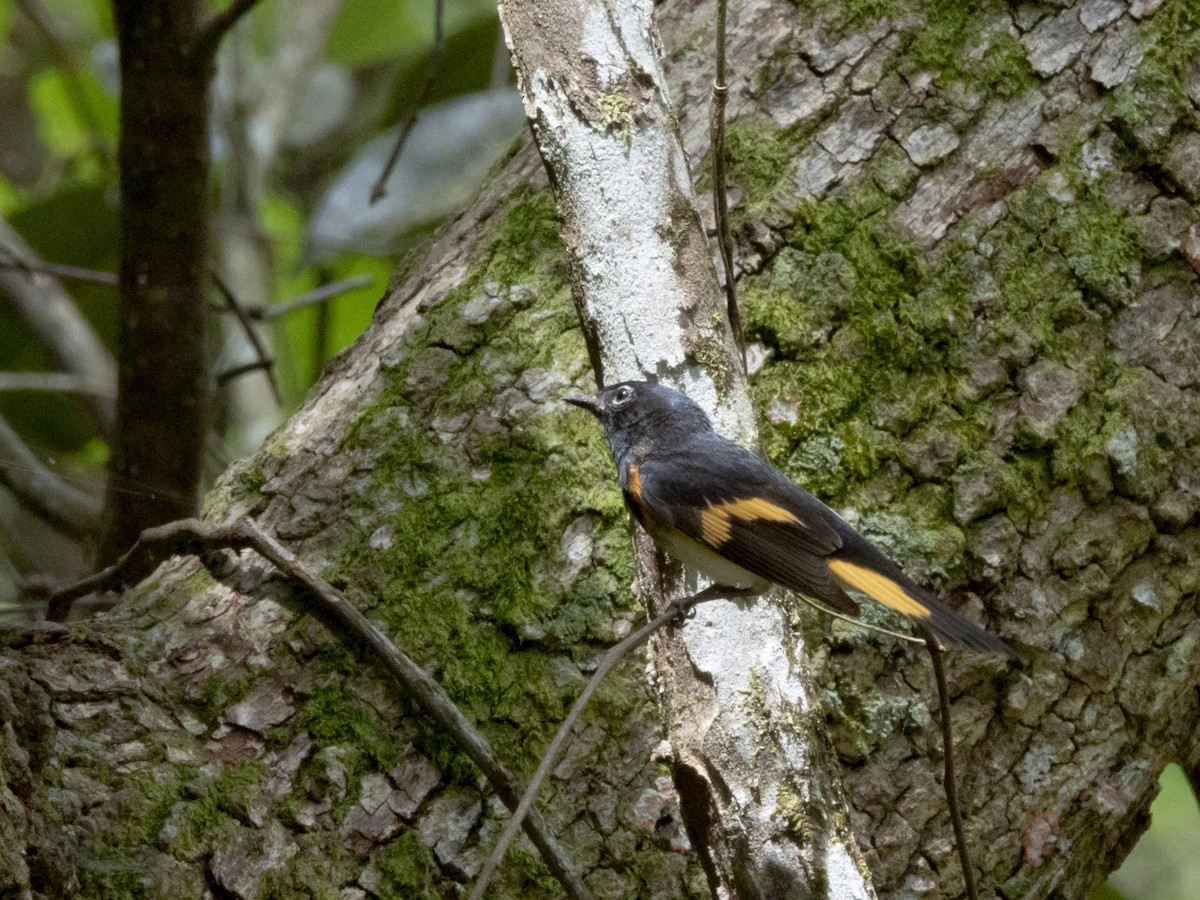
(711, 565)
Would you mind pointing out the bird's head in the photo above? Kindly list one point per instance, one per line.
(641, 414)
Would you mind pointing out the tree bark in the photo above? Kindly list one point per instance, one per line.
(164, 388)
(737, 704)
(962, 242)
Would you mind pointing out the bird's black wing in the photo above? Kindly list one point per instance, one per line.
(731, 502)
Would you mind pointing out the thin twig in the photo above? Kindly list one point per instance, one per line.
(720, 200)
(42, 492)
(859, 623)
(263, 361)
(229, 375)
(948, 778)
(10, 260)
(193, 536)
(219, 25)
(379, 190)
(320, 294)
(554, 750)
(53, 382)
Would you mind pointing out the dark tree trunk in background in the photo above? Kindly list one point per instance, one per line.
(163, 391)
(966, 239)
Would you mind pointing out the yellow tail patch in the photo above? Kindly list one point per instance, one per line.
(716, 521)
(877, 587)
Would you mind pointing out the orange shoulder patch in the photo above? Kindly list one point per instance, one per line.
(716, 520)
(877, 587)
(635, 481)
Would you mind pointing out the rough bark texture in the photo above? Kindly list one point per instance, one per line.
(964, 244)
(749, 758)
(163, 383)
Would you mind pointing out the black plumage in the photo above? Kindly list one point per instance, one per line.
(719, 507)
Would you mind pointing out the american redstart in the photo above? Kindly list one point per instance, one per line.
(715, 506)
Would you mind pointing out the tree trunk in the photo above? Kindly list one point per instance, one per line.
(964, 238)
(163, 389)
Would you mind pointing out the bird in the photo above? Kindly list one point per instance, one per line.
(715, 506)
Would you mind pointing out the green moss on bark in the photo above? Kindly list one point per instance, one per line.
(494, 544)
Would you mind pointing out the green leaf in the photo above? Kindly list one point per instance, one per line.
(72, 111)
(367, 31)
(351, 312)
(9, 198)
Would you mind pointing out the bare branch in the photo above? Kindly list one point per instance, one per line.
(949, 782)
(720, 93)
(435, 59)
(9, 260)
(193, 536)
(322, 294)
(263, 361)
(39, 490)
(52, 315)
(53, 382)
(219, 25)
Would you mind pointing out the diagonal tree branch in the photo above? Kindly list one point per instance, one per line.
(38, 489)
(8, 260)
(52, 315)
(52, 382)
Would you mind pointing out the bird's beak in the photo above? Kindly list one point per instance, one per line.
(588, 403)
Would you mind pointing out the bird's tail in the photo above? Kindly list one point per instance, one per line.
(898, 593)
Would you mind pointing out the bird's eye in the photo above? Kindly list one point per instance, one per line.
(623, 395)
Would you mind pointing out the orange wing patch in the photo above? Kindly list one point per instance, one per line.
(716, 520)
(877, 587)
(635, 481)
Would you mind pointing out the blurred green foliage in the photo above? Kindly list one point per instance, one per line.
(59, 131)
(1164, 865)
(368, 31)
(58, 184)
